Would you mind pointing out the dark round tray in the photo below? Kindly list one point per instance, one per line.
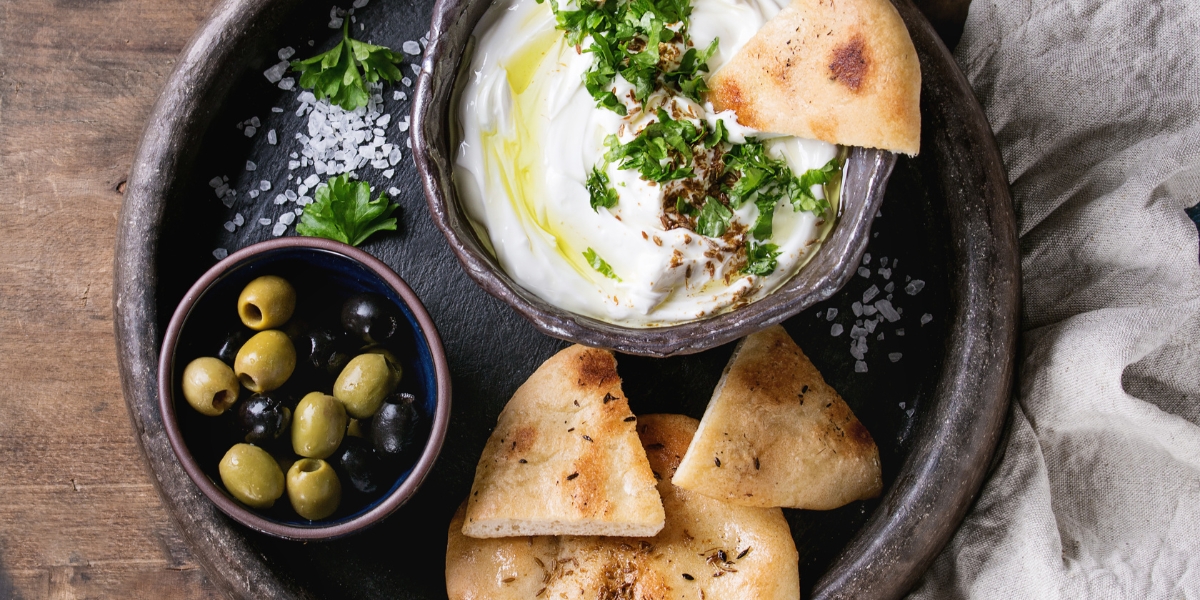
(947, 217)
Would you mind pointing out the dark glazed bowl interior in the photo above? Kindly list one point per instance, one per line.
(324, 273)
(864, 182)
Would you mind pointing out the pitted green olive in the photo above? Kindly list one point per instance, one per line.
(313, 488)
(265, 361)
(266, 303)
(365, 382)
(318, 425)
(209, 385)
(252, 476)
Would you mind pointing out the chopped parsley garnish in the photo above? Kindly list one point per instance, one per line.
(661, 152)
(760, 258)
(599, 190)
(335, 74)
(344, 211)
(765, 180)
(632, 38)
(599, 264)
(714, 218)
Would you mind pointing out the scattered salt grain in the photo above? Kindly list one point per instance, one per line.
(900, 332)
(388, 173)
(883, 261)
(403, 124)
(360, 3)
(416, 69)
(286, 53)
(867, 258)
(249, 131)
(393, 192)
(264, 186)
(383, 122)
(302, 189)
(880, 336)
(293, 165)
(298, 211)
(925, 319)
(864, 272)
(908, 277)
(275, 73)
(406, 81)
(280, 199)
(253, 194)
(836, 330)
(287, 83)
(264, 221)
(335, 23)
(291, 195)
(228, 199)
(909, 412)
(220, 253)
(250, 166)
(279, 229)
(239, 220)
(885, 273)
(870, 293)
(878, 213)
(312, 43)
(276, 109)
(396, 95)
(229, 226)
(914, 287)
(895, 357)
(831, 314)
(901, 406)
(411, 47)
(887, 310)
(312, 180)
(272, 138)
(857, 308)
(889, 287)
(287, 218)
(857, 332)
(215, 182)
(254, 122)
(860, 366)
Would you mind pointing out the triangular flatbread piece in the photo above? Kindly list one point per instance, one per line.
(564, 458)
(775, 434)
(708, 549)
(841, 71)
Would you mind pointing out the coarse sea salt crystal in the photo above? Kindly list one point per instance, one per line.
(286, 52)
(393, 192)
(889, 287)
(291, 195)
(301, 189)
(287, 83)
(272, 138)
(880, 336)
(857, 309)
(388, 173)
(220, 253)
(264, 221)
(860, 366)
(406, 81)
(870, 325)
(900, 332)
(885, 273)
(925, 319)
(909, 412)
(280, 199)
(228, 199)
(360, 3)
(869, 310)
(836, 330)
(866, 258)
(276, 109)
(403, 124)
(287, 218)
(312, 181)
(416, 68)
(250, 166)
(298, 211)
(411, 47)
(858, 332)
(264, 186)
(252, 194)
(885, 308)
(895, 357)
(255, 122)
(864, 272)
(215, 182)
(239, 220)
(831, 314)
(279, 229)
(914, 287)
(275, 73)
(229, 226)
(870, 293)
(396, 95)
(249, 131)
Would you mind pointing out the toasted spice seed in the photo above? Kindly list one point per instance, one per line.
(744, 553)
(508, 580)
(804, 390)
(688, 577)
(572, 476)
(540, 592)
(828, 405)
(588, 438)
(630, 419)
(609, 398)
(576, 403)
(539, 562)
(717, 460)
(522, 461)
(755, 463)
(654, 447)
(721, 556)
(570, 430)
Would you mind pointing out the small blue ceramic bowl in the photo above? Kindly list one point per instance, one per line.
(324, 273)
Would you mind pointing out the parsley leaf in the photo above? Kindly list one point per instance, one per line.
(661, 152)
(335, 74)
(599, 264)
(599, 190)
(714, 218)
(765, 180)
(800, 189)
(344, 211)
(761, 259)
(689, 77)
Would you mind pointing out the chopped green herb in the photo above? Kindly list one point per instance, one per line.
(335, 74)
(599, 190)
(344, 211)
(716, 136)
(693, 66)
(599, 264)
(661, 152)
(800, 189)
(761, 259)
(765, 180)
(714, 218)
(684, 207)
(766, 214)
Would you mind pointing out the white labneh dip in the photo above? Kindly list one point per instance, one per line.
(531, 134)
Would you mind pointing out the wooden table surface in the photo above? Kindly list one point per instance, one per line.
(79, 516)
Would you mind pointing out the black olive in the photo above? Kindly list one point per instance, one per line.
(264, 417)
(359, 463)
(231, 342)
(371, 317)
(392, 428)
(324, 349)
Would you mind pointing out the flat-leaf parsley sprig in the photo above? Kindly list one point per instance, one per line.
(344, 211)
(336, 74)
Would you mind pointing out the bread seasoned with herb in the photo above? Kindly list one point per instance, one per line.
(708, 549)
(841, 71)
(775, 434)
(564, 458)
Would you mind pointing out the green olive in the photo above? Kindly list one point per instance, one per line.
(318, 425)
(265, 361)
(365, 382)
(252, 476)
(354, 429)
(314, 488)
(266, 302)
(209, 385)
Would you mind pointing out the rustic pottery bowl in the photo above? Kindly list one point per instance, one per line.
(331, 271)
(434, 138)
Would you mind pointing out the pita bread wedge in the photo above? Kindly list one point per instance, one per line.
(564, 458)
(708, 549)
(775, 434)
(841, 71)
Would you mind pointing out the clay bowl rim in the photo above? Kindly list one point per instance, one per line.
(243, 515)
(848, 240)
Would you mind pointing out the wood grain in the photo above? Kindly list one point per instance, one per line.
(79, 516)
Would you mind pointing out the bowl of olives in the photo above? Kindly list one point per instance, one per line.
(303, 388)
